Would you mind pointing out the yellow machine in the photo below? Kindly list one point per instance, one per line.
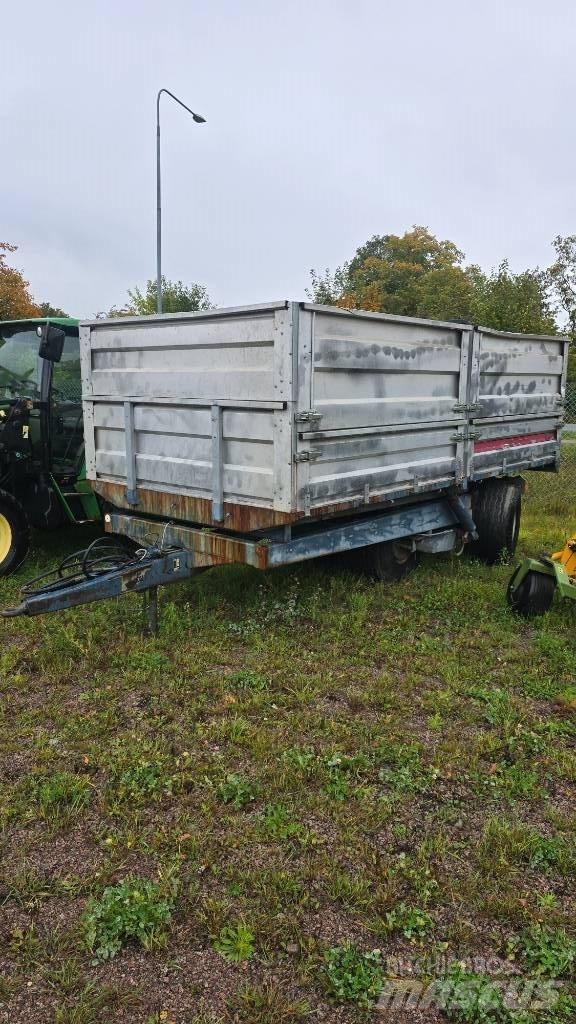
(532, 584)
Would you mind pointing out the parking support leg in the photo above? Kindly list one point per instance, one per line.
(151, 611)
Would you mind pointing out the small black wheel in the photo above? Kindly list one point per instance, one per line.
(388, 561)
(496, 507)
(14, 534)
(533, 596)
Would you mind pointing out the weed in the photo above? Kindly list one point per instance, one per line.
(235, 942)
(470, 998)
(412, 922)
(280, 823)
(92, 1004)
(353, 891)
(352, 976)
(140, 781)
(299, 758)
(7, 988)
(498, 708)
(547, 951)
(237, 791)
(134, 909)
(59, 795)
(267, 1004)
(248, 681)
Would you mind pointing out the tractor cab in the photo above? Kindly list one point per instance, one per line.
(42, 476)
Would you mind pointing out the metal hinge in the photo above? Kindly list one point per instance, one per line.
(458, 436)
(466, 407)
(309, 456)
(308, 416)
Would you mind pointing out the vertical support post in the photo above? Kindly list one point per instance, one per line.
(151, 611)
(217, 465)
(130, 445)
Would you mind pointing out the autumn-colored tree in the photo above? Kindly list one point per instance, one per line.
(414, 274)
(16, 303)
(417, 274)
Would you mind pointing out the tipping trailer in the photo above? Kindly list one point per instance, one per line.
(277, 433)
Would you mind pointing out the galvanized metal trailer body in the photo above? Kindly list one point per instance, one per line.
(277, 433)
(259, 416)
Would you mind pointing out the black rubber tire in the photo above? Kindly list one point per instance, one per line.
(388, 561)
(535, 594)
(14, 534)
(496, 508)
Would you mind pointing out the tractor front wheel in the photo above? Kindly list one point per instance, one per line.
(534, 595)
(14, 534)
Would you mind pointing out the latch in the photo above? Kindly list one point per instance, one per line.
(466, 407)
(308, 416)
(309, 456)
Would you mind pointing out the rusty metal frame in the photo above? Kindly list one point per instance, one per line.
(215, 547)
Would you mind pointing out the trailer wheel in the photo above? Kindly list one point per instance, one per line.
(14, 534)
(535, 594)
(496, 507)
(388, 561)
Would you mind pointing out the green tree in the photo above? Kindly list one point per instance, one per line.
(513, 302)
(176, 298)
(47, 309)
(16, 302)
(446, 293)
(562, 282)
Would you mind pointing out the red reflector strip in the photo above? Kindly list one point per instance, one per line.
(495, 444)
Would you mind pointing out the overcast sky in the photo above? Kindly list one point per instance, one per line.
(327, 122)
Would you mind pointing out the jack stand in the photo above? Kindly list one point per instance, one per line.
(151, 611)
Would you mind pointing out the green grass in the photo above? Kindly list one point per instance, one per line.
(302, 768)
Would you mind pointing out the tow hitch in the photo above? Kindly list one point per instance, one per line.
(106, 569)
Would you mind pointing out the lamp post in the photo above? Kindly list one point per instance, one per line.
(199, 120)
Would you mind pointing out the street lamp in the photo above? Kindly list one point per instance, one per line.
(199, 120)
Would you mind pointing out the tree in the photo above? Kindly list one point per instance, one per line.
(414, 274)
(417, 274)
(562, 282)
(562, 279)
(176, 298)
(47, 309)
(513, 302)
(16, 302)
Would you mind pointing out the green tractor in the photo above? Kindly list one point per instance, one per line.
(42, 469)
